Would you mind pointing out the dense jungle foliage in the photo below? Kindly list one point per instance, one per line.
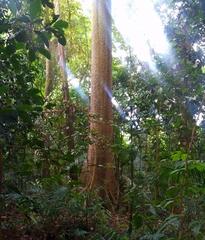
(159, 131)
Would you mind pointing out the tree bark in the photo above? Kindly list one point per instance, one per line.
(69, 129)
(49, 74)
(48, 89)
(100, 169)
(69, 111)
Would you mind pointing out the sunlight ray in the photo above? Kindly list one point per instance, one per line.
(140, 26)
(72, 80)
(114, 102)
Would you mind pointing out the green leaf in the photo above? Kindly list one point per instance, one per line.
(62, 40)
(60, 24)
(198, 166)
(172, 220)
(137, 221)
(179, 155)
(168, 203)
(44, 52)
(44, 37)
(184, 156)
(55, 18)
(178, 171)
(176, 156)
(35, 8)
(19, 45)
(61, 162)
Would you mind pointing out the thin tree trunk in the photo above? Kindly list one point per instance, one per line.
(69, 130)
(100, 172)
(49, 74)
(69, 112)
(48, 90)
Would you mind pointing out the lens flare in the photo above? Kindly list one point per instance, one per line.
(114, 102)
(73, 81)
(141, 27)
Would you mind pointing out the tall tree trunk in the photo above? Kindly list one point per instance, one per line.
(100, 171)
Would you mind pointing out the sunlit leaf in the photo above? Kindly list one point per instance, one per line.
(60, 24)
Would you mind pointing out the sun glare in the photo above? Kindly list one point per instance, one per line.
(140, 26)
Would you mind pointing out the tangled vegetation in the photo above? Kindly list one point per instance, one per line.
(158, 141)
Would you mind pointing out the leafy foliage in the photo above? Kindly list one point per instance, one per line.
(158, 143)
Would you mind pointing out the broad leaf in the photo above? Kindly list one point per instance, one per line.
(62, 40)
(60, 24)
(45, 53)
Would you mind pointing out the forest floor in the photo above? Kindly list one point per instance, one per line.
(16, 226)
